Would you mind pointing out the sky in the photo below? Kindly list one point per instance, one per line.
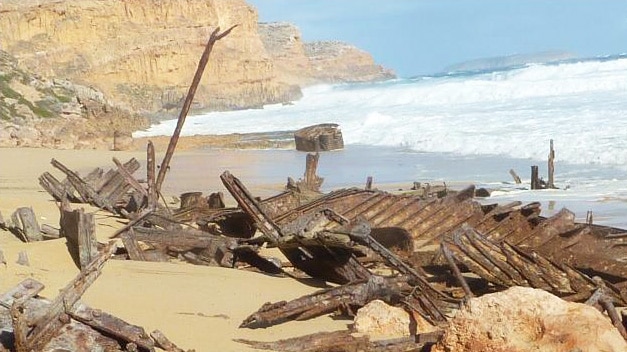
(416, 37)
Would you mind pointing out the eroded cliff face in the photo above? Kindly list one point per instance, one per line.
(143, 53)
(303, 63)
(334, 61)
(54, 113)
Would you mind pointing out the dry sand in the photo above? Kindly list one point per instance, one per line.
(195, 306)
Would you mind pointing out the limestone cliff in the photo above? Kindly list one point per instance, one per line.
(303, 63)
(55, 113)
(143, 53)
(334, 61)
(283, 43)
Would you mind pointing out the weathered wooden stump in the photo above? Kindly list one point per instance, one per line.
(318, 138)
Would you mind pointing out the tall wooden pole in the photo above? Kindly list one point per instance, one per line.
(215, 36)
(535, 181)
(551, 166)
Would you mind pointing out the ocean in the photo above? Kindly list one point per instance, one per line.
(463, 127)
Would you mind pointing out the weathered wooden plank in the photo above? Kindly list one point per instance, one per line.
(112, 325)
(25, 222)
(128, 176)
(85, 190)
(79, 229)
(55, 317)
(132, 248)
(29, 287)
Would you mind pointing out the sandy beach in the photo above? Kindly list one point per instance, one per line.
(197, 307)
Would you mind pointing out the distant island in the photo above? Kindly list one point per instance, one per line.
(498, 62)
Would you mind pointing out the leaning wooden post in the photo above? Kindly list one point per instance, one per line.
(150, 176)
(551, 166)
(215, 36)
(535, 182)
(515, 176)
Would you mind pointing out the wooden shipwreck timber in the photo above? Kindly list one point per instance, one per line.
(441, 248)
(428, 252)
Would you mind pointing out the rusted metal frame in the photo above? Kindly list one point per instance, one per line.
(326, 201)
(496, 256)
(204, 59)
(525, 267)
(555, 275)
(345, 270)
(392, 216)
(363, 234)
(111, 325)
(362, 205)
(458, 274)
(489, 221)
(473, 265)
(492, 271)
(425, 307)
(20, 323)
(558, 223)
(47, 326)
(557, 244)
(430, 208)
(365, 211)
(387, 209)
(248, 203)
(85, 190)
(343, 340)
(515, 224)
(447, 225)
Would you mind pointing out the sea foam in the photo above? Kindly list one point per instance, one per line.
(513, 113)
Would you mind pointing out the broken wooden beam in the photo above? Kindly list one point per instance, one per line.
(56, 313)
(112, 326)
(24, 223)
(202, 63)
(84, 189)
(79, 228)
(326, 301)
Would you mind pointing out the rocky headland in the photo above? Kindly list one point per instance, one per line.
(135, 59)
